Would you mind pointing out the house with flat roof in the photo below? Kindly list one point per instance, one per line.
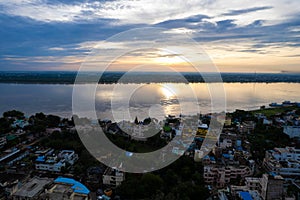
(292, 131)
(113, 177)
(67, 188)
(283, 161)
(33, 189)
(223, 175)
(55, 163)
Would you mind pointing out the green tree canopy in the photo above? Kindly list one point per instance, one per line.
(14, 113)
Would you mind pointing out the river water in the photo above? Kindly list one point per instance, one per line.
(157, 99)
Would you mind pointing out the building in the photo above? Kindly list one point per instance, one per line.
(198, 154)
(221, 175)
(9, 154)
(271, 186)
(292, 131)
(51, 130)
(283, 161)
(19, 123)
(251, 164)
(69, 156)
(55, 163)
(67, 189)
(253, 183)
(225, 143)
(94, 175)
(202, 130)
(247, 127)
(227, 121)
(113, 177)
(10, 183)
(267, 122)
(3, 141)
(243, 192)
(228, 139)
(248, 195)
(33, 189)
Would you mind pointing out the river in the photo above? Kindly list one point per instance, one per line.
(57, 98)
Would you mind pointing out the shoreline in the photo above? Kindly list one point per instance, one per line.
(68, 78)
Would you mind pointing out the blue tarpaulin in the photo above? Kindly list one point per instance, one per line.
(246, 196)
(225, 155)
(40, 159)
(77, 186)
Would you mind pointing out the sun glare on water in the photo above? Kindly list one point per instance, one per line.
(166, 92)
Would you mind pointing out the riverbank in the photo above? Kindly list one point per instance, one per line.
(69, 77)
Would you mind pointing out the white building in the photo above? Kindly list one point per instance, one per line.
(252, 183)
(292, 131)
(55, 163)
(267, 122)
(283, 161)
(113, 177)
(225, 143)
(69, 156)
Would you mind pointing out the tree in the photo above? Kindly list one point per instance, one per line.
(39, 128)
(40, 116)
(14, 113)
(151, 183)
(147, 121)
(53, 121)
(136, 121)
(4, 125)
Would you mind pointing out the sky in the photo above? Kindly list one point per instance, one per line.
(237, 35)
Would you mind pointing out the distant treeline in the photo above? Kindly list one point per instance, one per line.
(142, 77)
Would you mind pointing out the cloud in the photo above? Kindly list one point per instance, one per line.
(57, 49)
(293, 56)
(151, 11)
(41, 32)
(247, 10)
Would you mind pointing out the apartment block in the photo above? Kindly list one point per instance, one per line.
(283, 161)
(113, 177)
(221, 175)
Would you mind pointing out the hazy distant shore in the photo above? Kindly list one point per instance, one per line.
(143, 77)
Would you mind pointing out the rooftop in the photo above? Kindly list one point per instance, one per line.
(245, 196)
(33, 187)
(75, 185)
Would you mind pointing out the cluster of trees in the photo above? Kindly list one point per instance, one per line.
(13, 114)
(70, 140)
(7, 119)
(146, 121)
(153, 143)
(181, 180)
(37, 123)
(5, 125)
(264, 137)
(63, 140)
